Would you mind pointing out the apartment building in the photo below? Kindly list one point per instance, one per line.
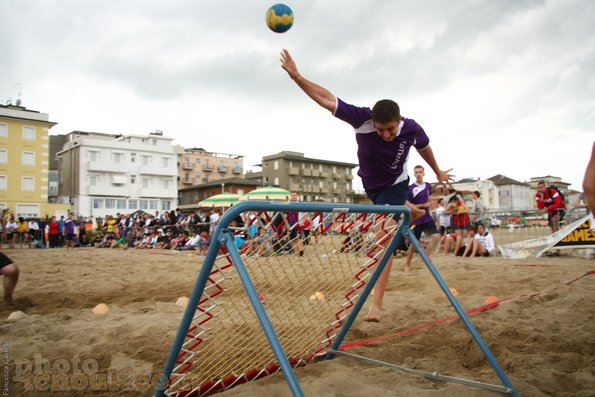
(24, 159)
(313, 179)
(104, 174)
(196, 166)
(486, 188)
(512, 195)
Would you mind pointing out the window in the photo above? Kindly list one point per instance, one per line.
(166, 183)
(118, 158)
(321, 184)
(197, 176)
(133, 157)
(2, 182)
(132, 179)
(146, 184)
(93, 180)
(276, 165)
(28, 158)
(132, 204)
(221, 165)
(28, 133)
(110, 203)
(121, 204)
(166, 161)
(143, 204)
(3, 131)
(3, 156)
(276, 181)
(153, 204)
(97, 203)
(27, 210)
(165, 206)
(146, 160)
(197, 163)
(28, 184)
(290, 163)
(186, 177)
(154, 142)
(94, 155)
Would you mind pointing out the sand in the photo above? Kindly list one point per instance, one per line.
(542, 336)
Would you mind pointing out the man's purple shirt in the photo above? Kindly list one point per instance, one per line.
(381, 164)
(420, 195)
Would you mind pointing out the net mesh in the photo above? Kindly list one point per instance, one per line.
(308, 269)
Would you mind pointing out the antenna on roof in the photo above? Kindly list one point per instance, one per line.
(20, 87)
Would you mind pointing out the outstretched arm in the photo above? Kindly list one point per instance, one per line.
(319, 94)
(589, 182)
(443, 176)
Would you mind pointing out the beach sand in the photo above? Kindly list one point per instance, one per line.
(543, 336)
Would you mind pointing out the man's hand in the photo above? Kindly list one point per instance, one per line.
(444, 177)
(289, 65)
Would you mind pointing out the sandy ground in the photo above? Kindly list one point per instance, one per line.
(542, 336)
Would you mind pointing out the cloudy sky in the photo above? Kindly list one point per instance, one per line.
(500, 86)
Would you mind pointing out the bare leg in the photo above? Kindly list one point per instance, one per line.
(11, 277)
(458, 242)
(410, 253)
(376, 305)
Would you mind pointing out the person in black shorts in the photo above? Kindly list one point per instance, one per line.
(10, 271)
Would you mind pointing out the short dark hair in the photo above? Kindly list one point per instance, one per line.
(477, 193)
(386, 110)
(419, 166)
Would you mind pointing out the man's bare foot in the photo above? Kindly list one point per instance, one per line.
(407, 269)
(373, 315)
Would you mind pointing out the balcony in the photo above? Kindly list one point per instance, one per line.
(105, 166)
(348, 177)
(153, 170)
(237, 171)
(306, 172)
(111, 191)
(158, 193)
(324, 174)
(222, 169)
(208, 168)
(293, 171)
(187, 182)
(315, 173)
(294, 187)
(187, 166)
(316, 189)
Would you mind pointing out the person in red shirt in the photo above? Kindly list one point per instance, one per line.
(548, 199)
(54, 232)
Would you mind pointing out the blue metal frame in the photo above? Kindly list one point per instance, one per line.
(223, 236)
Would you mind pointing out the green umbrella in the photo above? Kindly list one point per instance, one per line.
(269, 193)
(220, 200)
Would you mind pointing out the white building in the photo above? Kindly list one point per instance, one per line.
(513, 195)
(103, 174)
(487, 189)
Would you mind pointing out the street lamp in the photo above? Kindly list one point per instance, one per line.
(222, 187)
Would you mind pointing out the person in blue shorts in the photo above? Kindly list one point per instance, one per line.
(10, 271)
(384, 139)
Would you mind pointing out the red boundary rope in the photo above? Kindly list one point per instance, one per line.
(445, 320)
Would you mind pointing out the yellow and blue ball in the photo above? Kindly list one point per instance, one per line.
(279, 18)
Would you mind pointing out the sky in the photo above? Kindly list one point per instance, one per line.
(500, 87)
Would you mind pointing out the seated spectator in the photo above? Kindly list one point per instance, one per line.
(468, 242)
(164, 241)
(144, 243)
(483, 243)
(179, 241)
(98, 240)
(192, 242)
(203, 244)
